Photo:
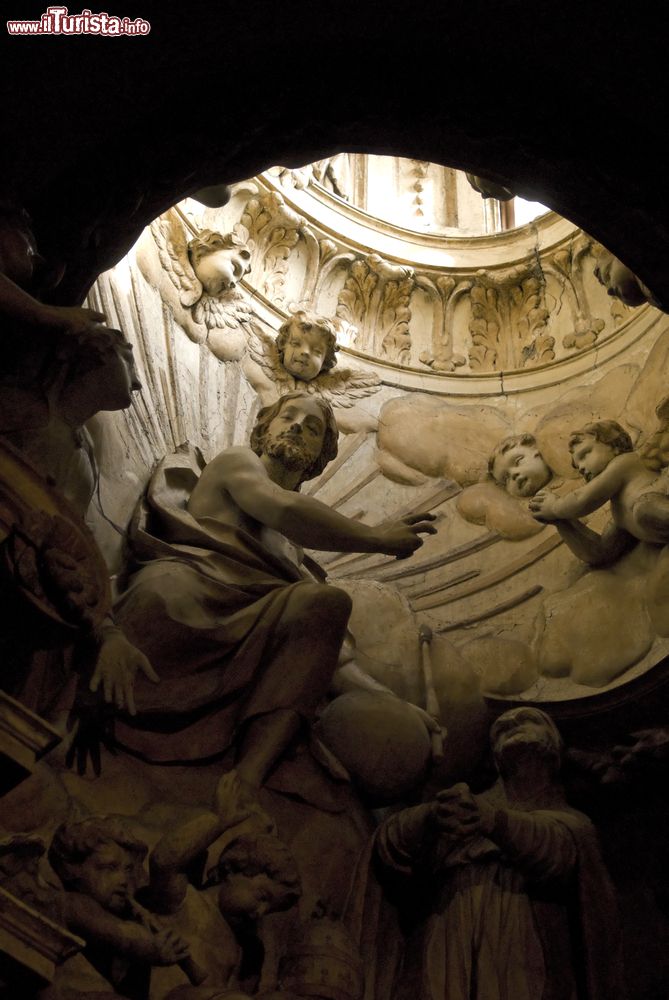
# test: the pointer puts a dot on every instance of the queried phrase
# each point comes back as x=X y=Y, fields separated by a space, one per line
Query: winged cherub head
x=219 y=260
x=307 y=345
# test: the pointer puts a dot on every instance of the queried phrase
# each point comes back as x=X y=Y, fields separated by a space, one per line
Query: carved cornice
x=24 y=738
x=31 y=941
x=508 y=303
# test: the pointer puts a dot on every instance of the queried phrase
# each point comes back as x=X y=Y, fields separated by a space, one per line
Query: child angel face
x=522 y=470
x=108 y=876
x=304 y=351
x=591 y=456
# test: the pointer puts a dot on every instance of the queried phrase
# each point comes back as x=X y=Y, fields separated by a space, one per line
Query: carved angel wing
x=654 y=452
x=343 y=387
x=172 y=247
x=231 y=311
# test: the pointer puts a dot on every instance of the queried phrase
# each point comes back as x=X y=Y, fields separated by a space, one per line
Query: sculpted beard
x=290 y=450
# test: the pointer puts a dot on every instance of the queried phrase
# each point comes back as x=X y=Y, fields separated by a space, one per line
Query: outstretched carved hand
x=543 y=506
x=91 y=720
x=649 y=745
x=644 y=758
x=90 y=726
x=116 y=668
x=402 y=538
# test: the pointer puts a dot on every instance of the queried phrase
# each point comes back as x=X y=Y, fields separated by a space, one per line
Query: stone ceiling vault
x=561 y=101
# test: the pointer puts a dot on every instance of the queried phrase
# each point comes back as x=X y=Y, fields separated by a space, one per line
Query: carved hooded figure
x=502 y=896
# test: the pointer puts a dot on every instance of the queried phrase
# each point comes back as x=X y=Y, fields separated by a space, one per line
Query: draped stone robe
x=526 y=915
x=205 y=606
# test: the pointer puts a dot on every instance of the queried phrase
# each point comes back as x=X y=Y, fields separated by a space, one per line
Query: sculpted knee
x=340 y=602
x=312 y=600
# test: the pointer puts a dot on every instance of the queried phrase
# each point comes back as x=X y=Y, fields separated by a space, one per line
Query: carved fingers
x=403 y=536
x=76 y=321
x=90 y=726
x=542 y=506
x=170 y=948
x=421 y=522
x=116 y=668
x=650 y=746
x=458 y=813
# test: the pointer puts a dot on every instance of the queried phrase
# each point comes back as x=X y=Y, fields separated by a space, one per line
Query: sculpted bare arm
x=603 y=487
x=597 y=550
x=126 y=937
x=548 y=507
x=19 y=306
x=303 y=520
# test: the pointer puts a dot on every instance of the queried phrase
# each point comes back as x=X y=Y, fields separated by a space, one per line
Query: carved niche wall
x=464 y=364
x=448 y=347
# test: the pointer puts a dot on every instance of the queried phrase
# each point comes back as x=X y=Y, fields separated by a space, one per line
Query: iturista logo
x=59 y=21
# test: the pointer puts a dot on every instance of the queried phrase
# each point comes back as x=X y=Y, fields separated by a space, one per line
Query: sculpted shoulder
x=236 y=459
x=234 y=467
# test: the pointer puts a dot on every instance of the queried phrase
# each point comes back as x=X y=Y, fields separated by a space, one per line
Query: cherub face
x=521 y=470
x=304 y=351
x=250 y=896
x=220 y=271
x=591 y=456
x=295 y=436
x=107 y=875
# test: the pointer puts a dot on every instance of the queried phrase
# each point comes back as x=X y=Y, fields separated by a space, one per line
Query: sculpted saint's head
x=517 y=464
x=525 y=731
x=99 y=858
x=300 y=431
x=219 y=260
x=307 y=345
x=105 y=368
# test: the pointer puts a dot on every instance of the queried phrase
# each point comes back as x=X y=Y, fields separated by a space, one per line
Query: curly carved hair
x=209 y=241
x=73 y=844
x=261 y=854
x=311 y=321
x=607 y=432
x=330 y=439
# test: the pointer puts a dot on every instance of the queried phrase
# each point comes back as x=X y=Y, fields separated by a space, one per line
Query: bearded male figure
x=244 y=642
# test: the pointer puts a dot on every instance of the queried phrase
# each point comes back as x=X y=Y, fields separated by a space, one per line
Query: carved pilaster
x=568 y=264
x=508 y=322
x=272 y=230
x=375 y=299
